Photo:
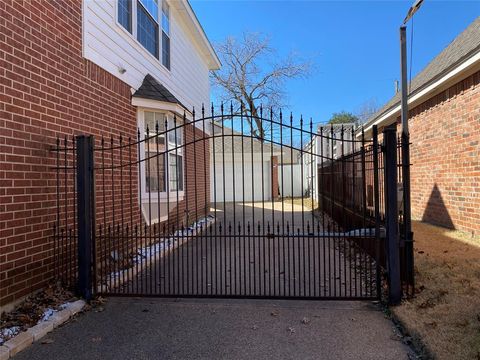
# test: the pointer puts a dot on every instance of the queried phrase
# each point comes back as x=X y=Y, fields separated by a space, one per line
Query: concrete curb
x=35 y=333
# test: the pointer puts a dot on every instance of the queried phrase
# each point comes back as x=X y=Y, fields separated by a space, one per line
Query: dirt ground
x=445 y=312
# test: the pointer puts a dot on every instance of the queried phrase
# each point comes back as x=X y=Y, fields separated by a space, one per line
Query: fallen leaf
x=305 y=321
x=46 y=341
x=291 y=330
x=254 y=327
x=275 y=313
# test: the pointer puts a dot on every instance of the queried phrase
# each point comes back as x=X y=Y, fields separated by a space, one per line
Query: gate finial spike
x=212 y=110
x=231 y=109
x=193 y=113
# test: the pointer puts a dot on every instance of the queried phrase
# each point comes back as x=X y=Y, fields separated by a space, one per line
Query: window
x=125 y=14
x=176 y=172
x=154 y=149
x=154 y=170
x=147 y=25
x=149 y=22
x=165 y=35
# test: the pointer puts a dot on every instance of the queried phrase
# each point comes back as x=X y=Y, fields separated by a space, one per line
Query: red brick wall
x=445 y=157
x=46 y=90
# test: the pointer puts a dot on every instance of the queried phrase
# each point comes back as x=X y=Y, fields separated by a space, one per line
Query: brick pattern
x=47 y=90
x=445 y=153
x=445 y=157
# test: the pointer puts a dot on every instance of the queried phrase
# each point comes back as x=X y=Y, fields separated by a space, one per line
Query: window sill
x=154 y=197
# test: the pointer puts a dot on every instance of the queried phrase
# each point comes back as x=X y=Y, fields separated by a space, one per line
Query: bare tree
x=367 y=110
x=252 y=75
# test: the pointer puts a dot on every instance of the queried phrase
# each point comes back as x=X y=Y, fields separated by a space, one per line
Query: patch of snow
x=47 y=314
x=165 y=244
x=8 y=333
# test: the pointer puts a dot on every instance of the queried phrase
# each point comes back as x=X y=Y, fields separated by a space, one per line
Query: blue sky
x=353 y=44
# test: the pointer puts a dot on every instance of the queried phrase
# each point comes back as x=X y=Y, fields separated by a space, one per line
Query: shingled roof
x=153 y=90
x=459 y=50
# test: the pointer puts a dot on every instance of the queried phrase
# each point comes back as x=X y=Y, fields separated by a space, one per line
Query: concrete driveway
x=276 y=263
x=132 y=328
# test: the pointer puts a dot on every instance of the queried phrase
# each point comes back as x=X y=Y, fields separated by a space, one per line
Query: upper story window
x=149 y=22
x=165 y=35
x=125 y=14
x=147 y=25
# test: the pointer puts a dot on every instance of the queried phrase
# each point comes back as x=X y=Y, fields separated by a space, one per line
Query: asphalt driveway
x=133 y=328
x=260 y=260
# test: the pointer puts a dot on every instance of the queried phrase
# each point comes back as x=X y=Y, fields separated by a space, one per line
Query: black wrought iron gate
x=225 y=205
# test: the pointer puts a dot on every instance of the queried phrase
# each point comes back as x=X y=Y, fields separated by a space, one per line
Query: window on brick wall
x=149 y=23
x=156 y=176
x=161 y=163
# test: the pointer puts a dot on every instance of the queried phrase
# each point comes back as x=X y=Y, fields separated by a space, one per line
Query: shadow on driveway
x=132 y=328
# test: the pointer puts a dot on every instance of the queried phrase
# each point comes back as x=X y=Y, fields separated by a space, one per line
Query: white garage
x=241 y=172
x=240 y=181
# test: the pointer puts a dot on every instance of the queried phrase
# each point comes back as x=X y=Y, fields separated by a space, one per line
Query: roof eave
x=185 y=9
x=459 y=71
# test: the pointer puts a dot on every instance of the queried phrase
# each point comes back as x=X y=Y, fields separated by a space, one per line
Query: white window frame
x=132 y=36
x=167 y=33
x=168 y=195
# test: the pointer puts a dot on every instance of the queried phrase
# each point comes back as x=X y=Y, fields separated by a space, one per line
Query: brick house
x=444 y=125
x=95 y=67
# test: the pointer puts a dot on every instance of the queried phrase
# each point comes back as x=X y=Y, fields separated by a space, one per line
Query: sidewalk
x=132 y=328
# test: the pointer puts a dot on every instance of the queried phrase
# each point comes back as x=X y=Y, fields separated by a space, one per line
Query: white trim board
x=457 y=74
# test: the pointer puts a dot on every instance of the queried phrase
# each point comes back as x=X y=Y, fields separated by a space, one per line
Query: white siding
x=240 y=174
x=290 y=181
x=110 y=46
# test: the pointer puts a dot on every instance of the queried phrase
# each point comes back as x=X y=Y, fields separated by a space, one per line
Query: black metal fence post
x=391 y=216
x=376 y=197
x=85 y=214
